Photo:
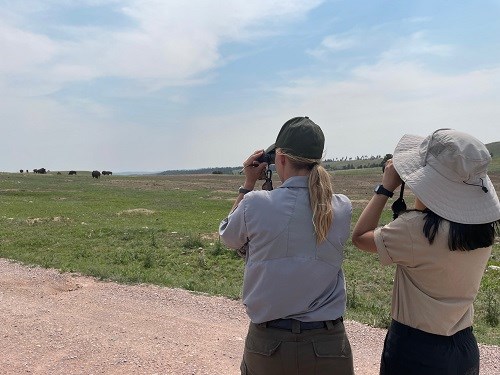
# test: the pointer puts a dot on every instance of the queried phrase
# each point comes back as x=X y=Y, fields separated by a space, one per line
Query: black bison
x=96 y=174
x=21 y=171
x=107 y=173
x=72 y=173
x=40 y=171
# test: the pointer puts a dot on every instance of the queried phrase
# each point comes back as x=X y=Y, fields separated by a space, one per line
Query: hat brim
x=271 y=148
x=454 y=201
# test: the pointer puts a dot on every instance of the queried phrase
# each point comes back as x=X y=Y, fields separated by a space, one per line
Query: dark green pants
x=312 y=352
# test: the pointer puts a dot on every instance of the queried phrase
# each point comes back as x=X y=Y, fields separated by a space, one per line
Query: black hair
x=463 y=237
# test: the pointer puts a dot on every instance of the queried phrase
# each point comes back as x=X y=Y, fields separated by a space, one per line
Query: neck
x=288 y=172
x=419 y=205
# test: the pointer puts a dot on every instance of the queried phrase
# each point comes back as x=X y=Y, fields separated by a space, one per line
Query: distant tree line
x=357 y=158
x=335 y=164
x=217 y=170
x=333 y=167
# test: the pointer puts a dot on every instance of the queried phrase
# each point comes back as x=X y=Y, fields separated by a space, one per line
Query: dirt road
x=54 y=323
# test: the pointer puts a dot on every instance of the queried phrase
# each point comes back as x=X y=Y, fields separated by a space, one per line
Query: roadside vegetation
x=163 y=230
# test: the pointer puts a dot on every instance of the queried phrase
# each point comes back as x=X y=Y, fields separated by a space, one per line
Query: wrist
x=248 y=185
x=382 y=190
x=243 y=190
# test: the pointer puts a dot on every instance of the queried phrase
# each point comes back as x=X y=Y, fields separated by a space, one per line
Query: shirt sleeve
x=232 y=229
x=394 y=243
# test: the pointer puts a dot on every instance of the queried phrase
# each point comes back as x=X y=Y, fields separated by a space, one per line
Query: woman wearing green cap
x=293 y=241
x=440 y=249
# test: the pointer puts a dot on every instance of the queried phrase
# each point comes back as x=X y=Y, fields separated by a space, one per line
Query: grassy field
x=163 y=230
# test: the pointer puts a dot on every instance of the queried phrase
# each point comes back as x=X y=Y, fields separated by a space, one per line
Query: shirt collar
x=296 y=182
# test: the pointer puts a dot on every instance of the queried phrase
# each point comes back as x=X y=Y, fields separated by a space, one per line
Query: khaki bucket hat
x=447 y=171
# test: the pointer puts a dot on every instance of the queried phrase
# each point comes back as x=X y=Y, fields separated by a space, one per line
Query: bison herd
x=95 y=174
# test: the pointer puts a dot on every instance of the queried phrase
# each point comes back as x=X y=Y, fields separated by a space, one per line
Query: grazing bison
x=72 y=173
x=40 y=171
x=21 y=171
x=96 y=174
x=107 y=173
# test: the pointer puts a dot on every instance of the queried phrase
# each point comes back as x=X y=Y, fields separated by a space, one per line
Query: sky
x=155 y=85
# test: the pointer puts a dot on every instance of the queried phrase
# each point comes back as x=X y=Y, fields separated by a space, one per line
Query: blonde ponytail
x=320 y=194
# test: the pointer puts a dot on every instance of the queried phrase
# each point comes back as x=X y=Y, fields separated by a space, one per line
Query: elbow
x=355 y=240
x=364 y=241
x=356 y=237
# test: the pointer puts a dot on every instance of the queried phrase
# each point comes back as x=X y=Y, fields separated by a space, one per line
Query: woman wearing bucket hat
x=440 y=249
x=293 y=239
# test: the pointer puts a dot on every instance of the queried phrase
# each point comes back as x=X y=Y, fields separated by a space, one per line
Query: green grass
x=163 y=230
x=494 y=149
x=130 y=230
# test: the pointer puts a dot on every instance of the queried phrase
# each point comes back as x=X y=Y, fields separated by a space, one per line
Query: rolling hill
x=332 y=165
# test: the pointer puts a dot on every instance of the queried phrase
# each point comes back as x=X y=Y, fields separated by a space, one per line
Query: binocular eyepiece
x=267 y=157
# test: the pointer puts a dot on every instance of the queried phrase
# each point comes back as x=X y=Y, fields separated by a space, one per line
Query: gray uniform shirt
x=287 y=274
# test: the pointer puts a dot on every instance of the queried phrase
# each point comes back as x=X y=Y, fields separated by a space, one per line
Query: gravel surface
x=53 y=323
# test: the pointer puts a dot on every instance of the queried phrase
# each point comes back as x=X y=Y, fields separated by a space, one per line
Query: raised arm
x=363 y=234
x=252 y=170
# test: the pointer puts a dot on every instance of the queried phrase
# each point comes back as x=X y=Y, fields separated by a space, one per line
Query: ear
x=281 y=159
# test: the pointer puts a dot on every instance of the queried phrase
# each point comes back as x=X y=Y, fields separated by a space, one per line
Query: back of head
x=302 y=141
x=447 y=171
x=301 y=137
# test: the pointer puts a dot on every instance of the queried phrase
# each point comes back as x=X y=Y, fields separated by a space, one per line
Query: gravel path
x=53 y=323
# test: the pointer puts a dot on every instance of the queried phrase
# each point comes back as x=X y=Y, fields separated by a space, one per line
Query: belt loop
x=329 y=324
x=295 y=326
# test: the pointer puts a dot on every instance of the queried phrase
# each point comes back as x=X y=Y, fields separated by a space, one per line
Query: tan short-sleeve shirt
x=434 y=288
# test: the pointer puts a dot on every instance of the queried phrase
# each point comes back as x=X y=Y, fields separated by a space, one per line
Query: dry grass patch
x=136 y=211
x=38 y=220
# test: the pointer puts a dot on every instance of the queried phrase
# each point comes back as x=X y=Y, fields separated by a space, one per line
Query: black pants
x=410 y=351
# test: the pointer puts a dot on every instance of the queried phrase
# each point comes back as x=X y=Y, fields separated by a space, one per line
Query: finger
x=251 y=161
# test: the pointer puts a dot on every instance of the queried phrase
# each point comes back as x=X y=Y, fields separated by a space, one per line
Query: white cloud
x=165 y=44
x=419 y=19
x=21 y=50
x=364 y=114
x=335 y=43
x=372 y=109
x=171 y=42
x=416 y=45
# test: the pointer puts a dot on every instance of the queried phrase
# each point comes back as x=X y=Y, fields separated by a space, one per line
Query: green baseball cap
x=301 y=137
